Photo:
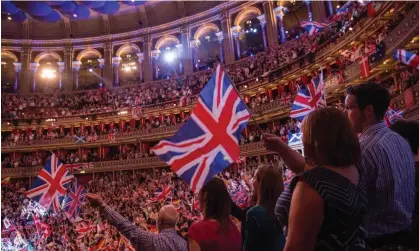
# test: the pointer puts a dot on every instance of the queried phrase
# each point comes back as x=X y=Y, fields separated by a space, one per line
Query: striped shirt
x=387 y=165
x=166 y=240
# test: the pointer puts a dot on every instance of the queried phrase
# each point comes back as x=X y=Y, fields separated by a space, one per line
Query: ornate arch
x=46 y=54
x=246 y=12
x=208 y=27
x=166 y=39
x=9 y=54
x=126 y=47
x=88 y=52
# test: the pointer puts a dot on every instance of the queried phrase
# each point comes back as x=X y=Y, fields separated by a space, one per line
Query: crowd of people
x=179 y=90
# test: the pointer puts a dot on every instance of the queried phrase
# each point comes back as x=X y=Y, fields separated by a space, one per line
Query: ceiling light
x=74 y=15
x=90 y=69
x=9 y=18
x=169 y=57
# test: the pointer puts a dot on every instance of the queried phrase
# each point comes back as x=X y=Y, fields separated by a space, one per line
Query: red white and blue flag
x=208 y=142
x=309 y=98
x=407 y=57
x=51 y=184
x=74 y=200
x=392 y=116
x=313 y=27
x=162 y=193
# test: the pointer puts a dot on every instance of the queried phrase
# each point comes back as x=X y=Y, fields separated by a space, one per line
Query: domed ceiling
x=51 y=19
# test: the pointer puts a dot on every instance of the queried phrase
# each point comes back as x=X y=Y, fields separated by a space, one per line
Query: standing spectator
x=263 y=231
x=410 y=131
x=216 y=232
x=166 y=240
x=386 y=164
x=323 y=207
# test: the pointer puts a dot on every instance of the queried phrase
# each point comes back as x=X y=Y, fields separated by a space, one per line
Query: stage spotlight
x=74 y=15
x=90 y=70
x=9 y=18
x=169 y=57
x=48 y=73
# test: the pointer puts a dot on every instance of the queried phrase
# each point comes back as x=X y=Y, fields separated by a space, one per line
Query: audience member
x=216 y=232
x=387 y=166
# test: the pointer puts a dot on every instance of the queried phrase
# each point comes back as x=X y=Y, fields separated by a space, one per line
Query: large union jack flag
x=74 y=201
x=407 y=57
x=208 y=142
x=312 y=27
x=51 y=184
x=309 y=98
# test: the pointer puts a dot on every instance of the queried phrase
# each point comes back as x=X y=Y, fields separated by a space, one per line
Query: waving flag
x=313 y=27
x=75 y=199
x=161 y=194
x=84 y=228
x=392 y=116
x=407 y=57
x=208 y=142
x=51 y=184
x=308 y=98
x=294 y=138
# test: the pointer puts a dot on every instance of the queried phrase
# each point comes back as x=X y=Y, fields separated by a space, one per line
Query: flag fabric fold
x=313 y=27
x=208 y=142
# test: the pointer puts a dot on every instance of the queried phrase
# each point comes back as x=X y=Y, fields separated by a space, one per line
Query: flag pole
x=235 y=88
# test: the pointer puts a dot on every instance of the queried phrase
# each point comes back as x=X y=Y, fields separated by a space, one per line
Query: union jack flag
x=240 y=197
x=407 y=57
x=208 y=142
x=161 y=194
x=392 y=116
x=313 y=27
x=51 y=184
x=84 y=228
x=308 y=98
x=74 y=201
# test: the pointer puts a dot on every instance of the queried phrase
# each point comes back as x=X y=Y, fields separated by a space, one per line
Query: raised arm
x=139 y=238
x=292 y=159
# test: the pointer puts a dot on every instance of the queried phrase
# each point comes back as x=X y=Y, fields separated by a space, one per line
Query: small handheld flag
x=407 y=58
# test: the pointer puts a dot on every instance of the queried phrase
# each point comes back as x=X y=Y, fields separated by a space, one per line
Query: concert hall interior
x=209 y=125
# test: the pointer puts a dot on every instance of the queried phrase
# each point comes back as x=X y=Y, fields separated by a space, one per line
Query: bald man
x=166 y=240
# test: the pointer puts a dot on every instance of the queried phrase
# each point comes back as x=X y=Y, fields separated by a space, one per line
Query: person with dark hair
x=410 y=131
x=216 y=232
x=386 y=164
x=324 y=205
x=263 y=231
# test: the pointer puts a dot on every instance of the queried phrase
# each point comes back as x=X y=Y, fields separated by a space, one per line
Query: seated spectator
x=263 y=231
x=216 y=232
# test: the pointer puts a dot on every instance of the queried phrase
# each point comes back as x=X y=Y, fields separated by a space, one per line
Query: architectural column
x=179 y=51
x=310 y=15
x=24 y=78
x=68 y=71
x=34 y=69
x=330 y=8
x=76 y=70
x=140 y=68
x=194 y=48
x=319 y=11
x=236 y=34
x=220 y=42
x=18 y=66
x=262 y=22
x=227 y=39
x=108 y=70
x=271 y=28
x=280 y=13
x=60 y=74
x=115 y=65
x=148 y=60
x=155 y=55
x=101 y=65
x=186 y=55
